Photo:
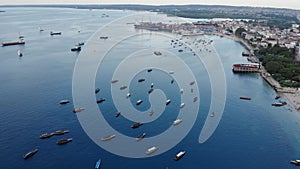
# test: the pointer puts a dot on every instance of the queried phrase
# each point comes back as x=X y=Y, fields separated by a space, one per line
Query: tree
x=273 y=66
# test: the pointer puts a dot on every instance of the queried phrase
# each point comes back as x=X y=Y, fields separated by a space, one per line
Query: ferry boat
x=55 y=33
x=295 y=162
x=97 y=90
x=168 y=102
x=64 y=141
x=109 y=137
x=30 y=154
x=64 y=102
x=76 y=49
x=245 y=98
x=13 y=43
x=100 y=100
x=136 y=125
x=151 y=150
x=139 y=102
x=176 y=122
x=179 y=155
x=278 y=104
x=46 y=135
x=98 y=164
x=246 y=67
x=140 y=137
x=60 y=132
x=77 y=110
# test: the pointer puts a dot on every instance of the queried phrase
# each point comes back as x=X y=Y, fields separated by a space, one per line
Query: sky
x=292 y=4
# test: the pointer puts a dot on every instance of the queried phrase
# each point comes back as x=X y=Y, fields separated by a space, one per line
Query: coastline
x=292 y=95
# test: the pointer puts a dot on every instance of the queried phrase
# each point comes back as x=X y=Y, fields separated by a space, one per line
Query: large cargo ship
x=13 y=43
x=246 y=67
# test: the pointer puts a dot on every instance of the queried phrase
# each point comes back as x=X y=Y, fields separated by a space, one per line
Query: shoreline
x=292 y=95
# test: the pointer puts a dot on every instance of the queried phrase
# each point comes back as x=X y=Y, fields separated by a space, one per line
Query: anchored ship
x=246 y=67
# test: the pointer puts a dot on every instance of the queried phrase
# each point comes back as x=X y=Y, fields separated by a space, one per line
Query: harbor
x=260 y=127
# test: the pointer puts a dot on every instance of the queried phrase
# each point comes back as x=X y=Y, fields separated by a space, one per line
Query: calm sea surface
x=251 y=135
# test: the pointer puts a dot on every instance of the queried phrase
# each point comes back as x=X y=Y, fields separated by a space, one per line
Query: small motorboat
x=98 y=164
x=139 y=102
x=117 y=114
x=46 y=135
x=100 y=100
x=109 y=137
x=77 y=110
x=136 y=125
x=64 y=102
x=140 y=137
x=295 y=162
x=179 y=155
x=30 y=154
x=97 y=90
x=151 y=150
x=176 y=122
x=64 y=141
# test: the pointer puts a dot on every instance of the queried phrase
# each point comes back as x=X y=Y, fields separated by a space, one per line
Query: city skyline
x=292 y=4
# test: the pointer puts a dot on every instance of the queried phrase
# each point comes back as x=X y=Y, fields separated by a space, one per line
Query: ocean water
x=252 y=134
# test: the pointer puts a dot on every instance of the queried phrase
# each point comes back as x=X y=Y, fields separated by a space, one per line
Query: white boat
x=176 y=122
x=64 y=102
x=150 y=113
x=139 y=102
x=179 y=155
x=212 y=114
x=128 y=95
x=182 y=105
x=181 y=91
x=77 y=110
x=20 y=53
x=140 y=137
x=151 y=150
x=168 y=101
x=157 y=53
x=171 y=72
x=109 y=137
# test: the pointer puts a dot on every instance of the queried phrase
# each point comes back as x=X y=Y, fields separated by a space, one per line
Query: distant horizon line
x=127 y=4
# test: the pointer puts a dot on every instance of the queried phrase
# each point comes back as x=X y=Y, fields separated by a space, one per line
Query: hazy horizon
x=292 y=4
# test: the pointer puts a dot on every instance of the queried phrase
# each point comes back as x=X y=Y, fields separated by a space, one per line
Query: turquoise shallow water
x=251 y=134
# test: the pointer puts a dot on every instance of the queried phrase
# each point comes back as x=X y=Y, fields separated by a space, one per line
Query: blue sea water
x=251 y=135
